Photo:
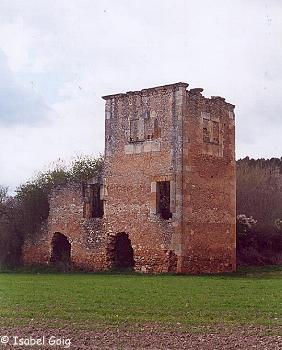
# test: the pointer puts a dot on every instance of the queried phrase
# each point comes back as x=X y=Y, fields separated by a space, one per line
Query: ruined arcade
x=166 y=200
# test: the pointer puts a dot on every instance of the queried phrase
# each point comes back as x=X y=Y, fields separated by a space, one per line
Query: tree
x=259 y=195
x=33 y=196
x=22 y=215
x=245 y=224
x=3 y=194
x=259 y=190
x=11 y=235
x=278 y=225
x=84 y=167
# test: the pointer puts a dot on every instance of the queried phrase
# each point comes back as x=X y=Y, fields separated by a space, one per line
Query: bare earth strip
x=148 y=337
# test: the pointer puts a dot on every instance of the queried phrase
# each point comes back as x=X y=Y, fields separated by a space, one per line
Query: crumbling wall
x=68 y=206
x=143 y=134
x=169 y=186
x=209 y=235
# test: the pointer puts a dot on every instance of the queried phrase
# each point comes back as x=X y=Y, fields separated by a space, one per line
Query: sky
x=58 y=57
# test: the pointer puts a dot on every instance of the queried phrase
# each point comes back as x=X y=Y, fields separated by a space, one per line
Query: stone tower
x=170 y=178
x=166 y=200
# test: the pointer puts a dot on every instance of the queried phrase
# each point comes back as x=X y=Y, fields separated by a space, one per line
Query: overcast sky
x=58 y=57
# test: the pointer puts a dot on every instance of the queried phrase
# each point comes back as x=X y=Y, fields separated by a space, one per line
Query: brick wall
x=209 y=234
x=160 y=140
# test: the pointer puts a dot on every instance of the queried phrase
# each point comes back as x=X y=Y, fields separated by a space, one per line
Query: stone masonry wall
x=134 y=166
x=87 y=238
x=209 y=235
x=169 y=134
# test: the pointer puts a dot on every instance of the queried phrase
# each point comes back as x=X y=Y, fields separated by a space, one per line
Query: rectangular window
x=163 y=199
x=206 y=130
x=93 y=205
x=134 y=130
x=97 y=203
x=137 y=129
x=215 y=132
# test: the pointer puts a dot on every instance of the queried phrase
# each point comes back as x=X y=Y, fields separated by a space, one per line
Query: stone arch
x=60 y=249
x=120 y=252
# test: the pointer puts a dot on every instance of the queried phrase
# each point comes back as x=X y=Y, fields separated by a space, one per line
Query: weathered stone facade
x=168 y=189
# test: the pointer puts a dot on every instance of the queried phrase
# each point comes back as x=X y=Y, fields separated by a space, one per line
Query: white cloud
x=18 y=104
x=72 y=52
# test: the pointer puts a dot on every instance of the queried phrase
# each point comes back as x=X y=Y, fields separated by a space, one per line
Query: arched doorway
x=61 y=249
x=121 y=252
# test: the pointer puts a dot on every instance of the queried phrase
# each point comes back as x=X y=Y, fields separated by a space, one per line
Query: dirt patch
x=146 y=337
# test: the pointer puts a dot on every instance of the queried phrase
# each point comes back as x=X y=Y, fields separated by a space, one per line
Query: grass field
x=247 y=298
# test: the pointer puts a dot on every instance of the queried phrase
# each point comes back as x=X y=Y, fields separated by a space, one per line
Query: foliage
x=23 y=215
x=84 y=168
x=259 y=196
x=3 y=194
x=278 y=225
x=259 y=248
x=245 y=224
x=11 y=236
x=33 y=195
x=259 y=190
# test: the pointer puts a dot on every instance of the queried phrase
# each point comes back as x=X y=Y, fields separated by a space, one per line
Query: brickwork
x=168 y=185
x=209 y=233
x=67 y=216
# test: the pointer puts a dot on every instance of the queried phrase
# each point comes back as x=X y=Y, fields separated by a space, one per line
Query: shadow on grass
x=62 y=269
x=242 y=271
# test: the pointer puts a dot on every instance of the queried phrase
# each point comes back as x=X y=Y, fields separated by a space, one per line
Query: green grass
x=249 y=297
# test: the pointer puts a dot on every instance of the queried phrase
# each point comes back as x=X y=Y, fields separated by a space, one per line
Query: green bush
x=256 y=248
x=22 y=215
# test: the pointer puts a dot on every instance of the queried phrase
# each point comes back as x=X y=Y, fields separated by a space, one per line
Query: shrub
x=278 y=225
x=245 y=224
x=22 y=216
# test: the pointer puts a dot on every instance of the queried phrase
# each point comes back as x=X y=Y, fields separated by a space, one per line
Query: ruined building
x=166 y=201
